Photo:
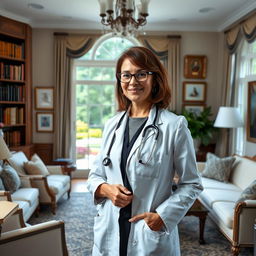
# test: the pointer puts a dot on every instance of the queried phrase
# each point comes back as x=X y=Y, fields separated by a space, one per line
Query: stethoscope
x=107 y=161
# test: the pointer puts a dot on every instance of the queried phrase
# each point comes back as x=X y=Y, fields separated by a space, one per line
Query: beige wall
x=210 y=44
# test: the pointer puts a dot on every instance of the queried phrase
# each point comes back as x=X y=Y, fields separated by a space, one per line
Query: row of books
x=13 y=50
x=12 y=138
x=12 y=72
x=10 y=92
x=12 y=116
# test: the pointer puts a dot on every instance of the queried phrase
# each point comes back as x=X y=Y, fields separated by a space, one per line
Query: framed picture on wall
x=195 y=66
x=44 y=98
x=194 y=92
x=251 y=112
x=196 y=109
x=44 y=122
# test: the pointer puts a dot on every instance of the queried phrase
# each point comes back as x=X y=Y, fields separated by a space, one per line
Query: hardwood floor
x=78 y=185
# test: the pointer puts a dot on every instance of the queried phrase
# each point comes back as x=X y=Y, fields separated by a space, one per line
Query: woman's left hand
x=153 y=220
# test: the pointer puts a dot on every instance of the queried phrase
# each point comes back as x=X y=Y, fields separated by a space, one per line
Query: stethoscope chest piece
x=106 y=161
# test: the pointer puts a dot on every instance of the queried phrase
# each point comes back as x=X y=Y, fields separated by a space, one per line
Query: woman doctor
x=143 y=147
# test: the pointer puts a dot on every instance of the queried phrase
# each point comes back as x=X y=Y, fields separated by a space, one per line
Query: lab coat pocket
x=100 y=232
x=148 y=170
x=152 y=232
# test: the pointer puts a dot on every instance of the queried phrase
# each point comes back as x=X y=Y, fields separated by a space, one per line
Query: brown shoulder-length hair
x=146 y=59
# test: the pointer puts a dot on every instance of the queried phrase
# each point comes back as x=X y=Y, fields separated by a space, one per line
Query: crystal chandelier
x=126 y=18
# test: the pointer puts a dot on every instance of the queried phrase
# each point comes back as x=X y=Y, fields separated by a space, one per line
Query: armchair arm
x=45 y=193
x=244 y=220
x=5 y=196
x=47 y=238
x=55 y=169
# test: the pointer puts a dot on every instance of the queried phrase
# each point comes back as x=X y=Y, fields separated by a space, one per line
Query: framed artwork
x=195 y=66
x=251 y=112
x=194 y=92
x=44 y=98
x=196 y=109
x=44 y=122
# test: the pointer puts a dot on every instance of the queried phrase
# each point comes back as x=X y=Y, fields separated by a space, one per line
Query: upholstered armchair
x=47 y=238
x=52 y=183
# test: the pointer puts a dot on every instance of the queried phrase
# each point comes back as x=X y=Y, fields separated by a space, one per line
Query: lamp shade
x=4 y=151
x=228 y=117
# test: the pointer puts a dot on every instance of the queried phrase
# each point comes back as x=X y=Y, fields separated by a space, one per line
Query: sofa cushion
x=249 y=193
x=225 y=212
x=55 y=186
x=17 y=162
x=218 y=168
x=64 y=179
x=10 y=178
x=29 y=195
x=35 y=167
x=211 y=183
x=210 y=196
x=243 y=173
x=23 y=205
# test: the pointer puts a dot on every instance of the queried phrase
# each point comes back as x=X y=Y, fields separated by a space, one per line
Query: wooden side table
x=201 y=212
x=67 y=164
x=6 y=210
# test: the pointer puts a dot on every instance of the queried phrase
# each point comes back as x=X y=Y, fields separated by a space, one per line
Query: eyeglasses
x=140 y=76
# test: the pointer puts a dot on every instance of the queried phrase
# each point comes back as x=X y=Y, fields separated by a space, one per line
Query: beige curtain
x=66 y=48
x=246 y=29
x=168 y=50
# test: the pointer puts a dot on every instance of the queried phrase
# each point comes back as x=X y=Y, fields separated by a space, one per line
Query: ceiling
x=164 y=15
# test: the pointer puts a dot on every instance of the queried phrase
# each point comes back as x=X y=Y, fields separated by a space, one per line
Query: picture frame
x=251 y=113
x=194 y=92
x=196 y=109
x=195 y=66
x=44 y=122
x=44 y=98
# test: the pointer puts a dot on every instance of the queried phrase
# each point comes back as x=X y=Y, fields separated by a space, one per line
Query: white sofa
x=235 y=220
x=26 y=196
x=51 y=187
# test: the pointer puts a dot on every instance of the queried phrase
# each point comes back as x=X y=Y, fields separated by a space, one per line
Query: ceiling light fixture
x=122 y=18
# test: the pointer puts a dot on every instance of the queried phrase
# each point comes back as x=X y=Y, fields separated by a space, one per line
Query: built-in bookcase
x=15 y=83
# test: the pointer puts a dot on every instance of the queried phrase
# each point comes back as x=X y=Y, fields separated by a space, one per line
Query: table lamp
x=4 y=151
x=228 y=117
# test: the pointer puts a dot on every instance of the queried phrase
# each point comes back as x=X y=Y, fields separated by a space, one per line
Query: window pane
x=95 y=95
x=95 y=116
x=108 y=94
x=81 y=94
x=95 y=73
x=253 y=66
x=112 y=48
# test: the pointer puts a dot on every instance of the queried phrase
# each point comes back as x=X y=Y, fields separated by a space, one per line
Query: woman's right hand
x=117 y=193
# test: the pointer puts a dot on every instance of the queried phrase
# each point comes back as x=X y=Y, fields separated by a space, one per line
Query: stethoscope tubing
x=107 y=161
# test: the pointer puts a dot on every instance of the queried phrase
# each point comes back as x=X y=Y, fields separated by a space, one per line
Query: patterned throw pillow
x=249 y=193
x=10 y=178
x=218 y=168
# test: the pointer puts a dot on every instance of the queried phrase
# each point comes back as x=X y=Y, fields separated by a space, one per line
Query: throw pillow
x=35 y=168
x=218 y=168
x=10 y=178
x=249 y=193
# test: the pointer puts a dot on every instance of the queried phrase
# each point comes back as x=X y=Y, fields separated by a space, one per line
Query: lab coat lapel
x=117 y=148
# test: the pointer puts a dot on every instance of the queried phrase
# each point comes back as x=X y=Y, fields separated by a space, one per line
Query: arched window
x=94 y=95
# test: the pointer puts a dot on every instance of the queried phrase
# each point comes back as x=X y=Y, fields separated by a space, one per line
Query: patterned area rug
x=78 y=213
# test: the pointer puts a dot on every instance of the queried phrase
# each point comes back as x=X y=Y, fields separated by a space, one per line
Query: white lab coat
x=151 y=185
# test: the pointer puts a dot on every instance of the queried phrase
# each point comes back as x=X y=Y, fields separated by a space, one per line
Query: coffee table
x=201 y=212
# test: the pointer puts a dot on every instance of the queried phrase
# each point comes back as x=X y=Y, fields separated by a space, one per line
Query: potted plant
x=200 y=126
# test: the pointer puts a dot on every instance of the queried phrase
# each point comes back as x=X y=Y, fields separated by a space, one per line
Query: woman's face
x=138 y=93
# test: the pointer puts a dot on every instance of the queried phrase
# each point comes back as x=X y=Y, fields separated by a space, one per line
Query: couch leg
x=235 y=250
x=69 y=193
x=53 y=208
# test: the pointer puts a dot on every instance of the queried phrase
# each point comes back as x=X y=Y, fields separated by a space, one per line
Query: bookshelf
x=15 y=84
